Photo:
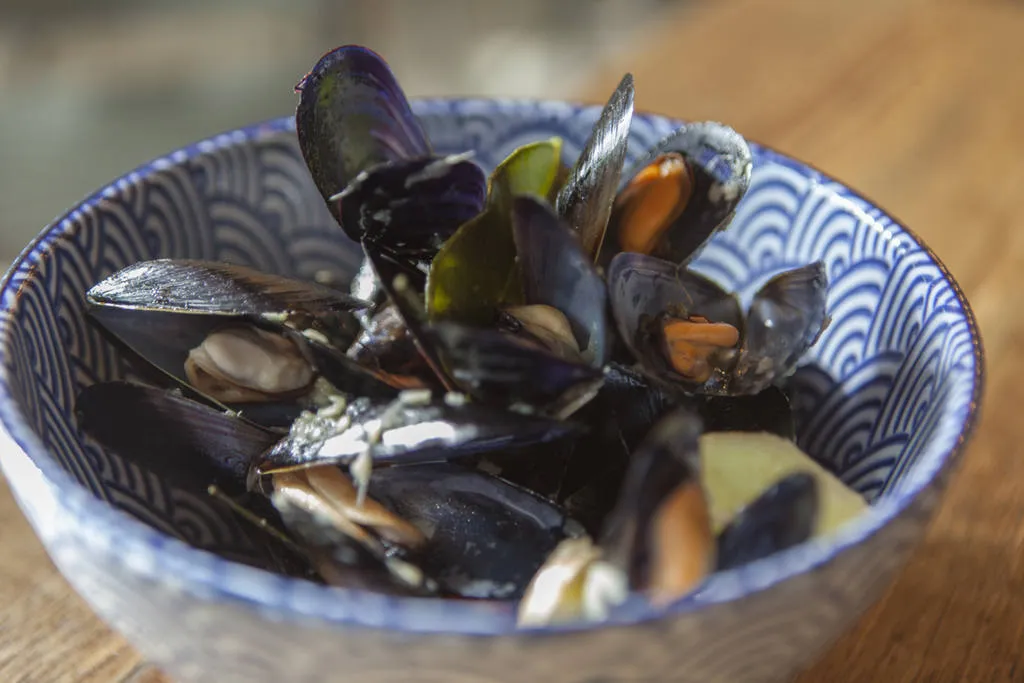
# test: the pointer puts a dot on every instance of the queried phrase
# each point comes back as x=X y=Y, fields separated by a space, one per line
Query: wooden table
x=918 y=103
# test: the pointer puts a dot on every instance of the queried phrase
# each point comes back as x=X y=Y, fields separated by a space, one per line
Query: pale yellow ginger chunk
x=739 y=466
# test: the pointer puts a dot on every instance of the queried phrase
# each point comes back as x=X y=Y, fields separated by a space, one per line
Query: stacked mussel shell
x=523 y=395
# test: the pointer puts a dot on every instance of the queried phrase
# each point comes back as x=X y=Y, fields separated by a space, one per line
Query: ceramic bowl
x=887 y=399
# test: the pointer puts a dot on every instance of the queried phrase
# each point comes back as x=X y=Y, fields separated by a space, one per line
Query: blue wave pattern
x=875 y=375
x=882 y=400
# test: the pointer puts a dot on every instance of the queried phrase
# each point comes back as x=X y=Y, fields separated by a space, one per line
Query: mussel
x=201 y=449
x=237 y=337
x=680 y=193
x=486 y=537
x=657 y=540
x=478 y=535
x=416 y=427
x=679 y=518
x=547 y=343
x=463 y=419
x=683 y=327
x=372 y=162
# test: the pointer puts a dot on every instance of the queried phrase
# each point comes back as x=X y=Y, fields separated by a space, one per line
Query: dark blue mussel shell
x=371 y=161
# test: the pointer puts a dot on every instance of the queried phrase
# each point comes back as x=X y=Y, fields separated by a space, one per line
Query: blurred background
x=90 y=89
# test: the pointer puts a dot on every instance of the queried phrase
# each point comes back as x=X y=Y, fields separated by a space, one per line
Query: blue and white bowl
x=887 y=398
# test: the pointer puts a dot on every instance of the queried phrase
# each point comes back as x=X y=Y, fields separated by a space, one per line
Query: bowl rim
x=207 y=576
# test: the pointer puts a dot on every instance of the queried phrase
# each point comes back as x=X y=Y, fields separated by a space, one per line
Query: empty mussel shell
x=410 y=207
x=212 y=287
x=785 y=319
x=352 y=116
x=185 y=442
x=585 y=200
x=197 y=449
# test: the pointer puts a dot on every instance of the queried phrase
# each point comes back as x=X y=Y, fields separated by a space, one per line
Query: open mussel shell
x=585 y=200
x=785 y=319
x=185 y=442
x=659 y=533
x=557 y=272
x=410 y=207
x=486 y=537
x=409 y=431
x=643 y=289
x=783 y=516
x=499 y=369
x=194 y=447
x=680 y=193
x=164 y=309
x=352 y=116
x=163 y=341
x=658 y=540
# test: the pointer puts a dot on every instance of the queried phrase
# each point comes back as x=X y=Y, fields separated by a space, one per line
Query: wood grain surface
x=920 y=105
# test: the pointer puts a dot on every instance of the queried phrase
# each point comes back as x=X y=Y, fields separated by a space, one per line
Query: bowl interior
x=881 y=400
